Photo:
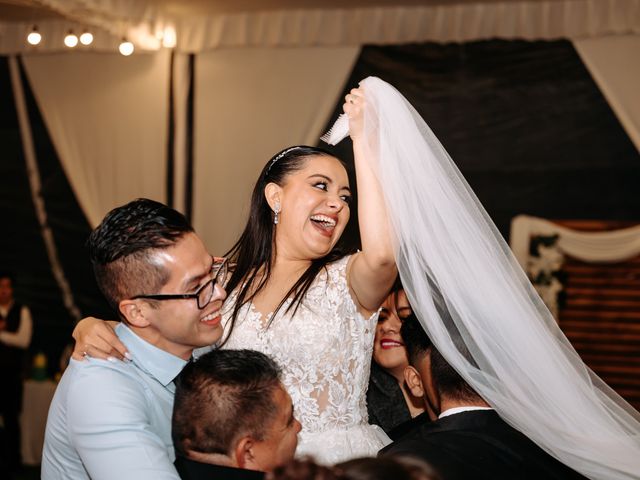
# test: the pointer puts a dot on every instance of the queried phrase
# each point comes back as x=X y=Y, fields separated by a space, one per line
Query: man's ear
x=134 y=312
x=413 y=381
x=244 y=455
x=272 y=192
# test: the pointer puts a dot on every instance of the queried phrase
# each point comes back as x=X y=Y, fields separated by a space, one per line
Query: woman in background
x=389 y=402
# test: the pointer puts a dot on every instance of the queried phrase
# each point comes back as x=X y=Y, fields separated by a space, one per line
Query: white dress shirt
x=454 y=410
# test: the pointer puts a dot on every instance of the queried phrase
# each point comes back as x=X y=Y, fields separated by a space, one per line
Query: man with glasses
x=112 y=419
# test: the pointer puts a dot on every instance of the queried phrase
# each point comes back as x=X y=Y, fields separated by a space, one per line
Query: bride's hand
x=354 y=103
x=96 y=338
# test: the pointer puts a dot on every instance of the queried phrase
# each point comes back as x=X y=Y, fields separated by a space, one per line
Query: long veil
x=465 y=284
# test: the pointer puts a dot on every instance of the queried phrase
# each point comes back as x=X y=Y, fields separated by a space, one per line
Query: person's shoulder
x=407 y=427
x=340 y=264
x=422 y=432
x=100 y=392
x=333 y=273
x=413 y=444
x=92 y=376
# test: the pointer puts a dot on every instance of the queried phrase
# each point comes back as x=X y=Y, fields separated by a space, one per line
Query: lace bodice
x=324 y=351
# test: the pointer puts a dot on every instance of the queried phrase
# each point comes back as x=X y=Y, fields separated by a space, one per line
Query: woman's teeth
x=324 y=220
x=390 y=344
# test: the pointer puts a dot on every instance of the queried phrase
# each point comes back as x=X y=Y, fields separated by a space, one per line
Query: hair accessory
x=276 y=210
x=278 y=157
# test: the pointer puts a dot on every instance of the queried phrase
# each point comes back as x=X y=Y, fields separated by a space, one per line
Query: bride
x=293 y=296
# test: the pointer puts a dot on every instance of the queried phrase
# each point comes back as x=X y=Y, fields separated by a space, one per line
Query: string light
x=86 y=38
x=126 y=47
x=169 y=39
x=34 y=36
x=71 y=40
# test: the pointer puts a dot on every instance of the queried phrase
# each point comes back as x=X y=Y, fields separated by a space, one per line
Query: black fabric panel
x=22 y=249
x=524 y=122
x=188 y=201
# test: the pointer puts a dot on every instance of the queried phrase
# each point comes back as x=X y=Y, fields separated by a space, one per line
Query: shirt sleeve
x=21 y=338
x=110 y=426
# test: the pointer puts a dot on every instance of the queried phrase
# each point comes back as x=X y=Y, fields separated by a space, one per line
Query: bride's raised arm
x=371 y=271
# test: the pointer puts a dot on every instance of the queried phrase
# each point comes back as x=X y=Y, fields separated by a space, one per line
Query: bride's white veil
x=464 y=284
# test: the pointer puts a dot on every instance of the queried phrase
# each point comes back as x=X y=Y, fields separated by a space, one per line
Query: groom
x=113 y=419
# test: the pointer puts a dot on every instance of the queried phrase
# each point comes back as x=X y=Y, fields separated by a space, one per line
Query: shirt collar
x=453 y=411
x=161 y=365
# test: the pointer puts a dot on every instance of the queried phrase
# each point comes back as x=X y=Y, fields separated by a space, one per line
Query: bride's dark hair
x=255 y=250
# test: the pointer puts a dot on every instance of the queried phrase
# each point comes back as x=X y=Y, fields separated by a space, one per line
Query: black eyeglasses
x=203 y=296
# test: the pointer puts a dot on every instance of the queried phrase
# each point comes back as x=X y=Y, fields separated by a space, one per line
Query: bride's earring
x=276 y=210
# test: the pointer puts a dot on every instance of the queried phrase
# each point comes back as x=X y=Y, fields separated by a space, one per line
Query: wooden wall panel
x=601 y=315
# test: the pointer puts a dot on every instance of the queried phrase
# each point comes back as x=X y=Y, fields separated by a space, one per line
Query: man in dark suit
x=467 y=439
x=232 y=417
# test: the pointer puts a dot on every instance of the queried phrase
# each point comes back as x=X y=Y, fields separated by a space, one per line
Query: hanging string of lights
x=71 y=40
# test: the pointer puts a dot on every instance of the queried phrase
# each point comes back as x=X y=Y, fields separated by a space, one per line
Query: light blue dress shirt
x=112 y=420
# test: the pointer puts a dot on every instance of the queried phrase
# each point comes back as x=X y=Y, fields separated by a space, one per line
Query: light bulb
x=126 y=47
x=34 y=36
x=71 y=40
x=169 y=37
x=86 y=38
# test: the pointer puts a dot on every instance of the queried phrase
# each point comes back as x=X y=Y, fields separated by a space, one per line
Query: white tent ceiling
x=34 y=10
x=201 y=25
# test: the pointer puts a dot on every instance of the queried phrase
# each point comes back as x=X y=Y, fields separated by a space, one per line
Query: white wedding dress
x=324 y=351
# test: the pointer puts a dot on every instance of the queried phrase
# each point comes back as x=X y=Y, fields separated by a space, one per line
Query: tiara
x=278 y=157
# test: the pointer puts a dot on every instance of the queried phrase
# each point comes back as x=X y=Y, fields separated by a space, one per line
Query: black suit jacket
x=192 y=470
x=479 y=445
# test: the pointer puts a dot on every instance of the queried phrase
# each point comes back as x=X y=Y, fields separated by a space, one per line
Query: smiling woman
x=389 y=402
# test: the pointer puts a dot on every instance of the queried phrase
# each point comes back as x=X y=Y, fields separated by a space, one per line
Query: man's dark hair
x=221 y=396
x=122 y=248
x=415 y=339
x=447 y=381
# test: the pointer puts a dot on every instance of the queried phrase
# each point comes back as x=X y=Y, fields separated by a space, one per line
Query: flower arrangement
x=544 y=269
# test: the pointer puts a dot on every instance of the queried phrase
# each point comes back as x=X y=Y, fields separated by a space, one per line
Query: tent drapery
x=107 y=117
x=531 y=20
x=198 y=31
x=610 y=246
x=614 y=63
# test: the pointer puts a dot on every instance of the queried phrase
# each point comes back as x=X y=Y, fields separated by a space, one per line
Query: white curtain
x=107 y=117
x=614 y=63
x=250 y=103
x=609 y=246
